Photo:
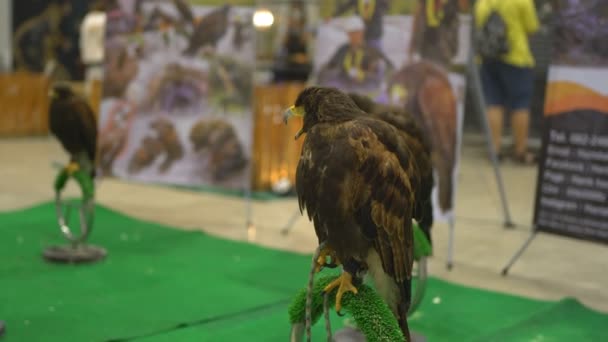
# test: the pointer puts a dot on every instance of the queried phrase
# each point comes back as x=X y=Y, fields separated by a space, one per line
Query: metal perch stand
x=77 y=251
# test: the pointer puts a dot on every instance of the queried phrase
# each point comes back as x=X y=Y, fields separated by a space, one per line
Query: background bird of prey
x=184 y=10
x=219 y=140
x=209 y=30
x=358 y=178
x=428 y=96
x=72 y=121
x=164 y=141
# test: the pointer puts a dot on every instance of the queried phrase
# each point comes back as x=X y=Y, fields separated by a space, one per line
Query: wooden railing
x=23 y=104
x=275 y=152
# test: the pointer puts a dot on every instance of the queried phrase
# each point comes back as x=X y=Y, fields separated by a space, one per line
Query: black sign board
x=572 y=190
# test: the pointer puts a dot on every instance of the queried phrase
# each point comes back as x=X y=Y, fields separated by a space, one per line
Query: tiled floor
x=552 y=268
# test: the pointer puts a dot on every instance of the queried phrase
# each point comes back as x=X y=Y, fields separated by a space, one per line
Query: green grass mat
x=161 y=284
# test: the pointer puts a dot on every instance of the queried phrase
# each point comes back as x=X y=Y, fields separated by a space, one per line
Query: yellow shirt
x=521 y=20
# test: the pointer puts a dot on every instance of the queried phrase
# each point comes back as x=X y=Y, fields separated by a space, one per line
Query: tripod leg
x=291 y=223
x=249 y=225
x=450 y=262
x=481 y=106
x=521 y=251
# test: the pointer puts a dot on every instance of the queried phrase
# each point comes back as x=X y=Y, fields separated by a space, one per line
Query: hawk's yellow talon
x=322 y=259
x=72 y=167
x=345 y=284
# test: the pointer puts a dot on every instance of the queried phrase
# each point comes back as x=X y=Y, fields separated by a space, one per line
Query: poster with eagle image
x=177 y=93
x=408 y=54
x=45 y=37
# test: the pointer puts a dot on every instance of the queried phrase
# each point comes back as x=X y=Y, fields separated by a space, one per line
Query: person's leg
x=493 y=94
x=495 y=119
x=520 y=123
x=520 y=84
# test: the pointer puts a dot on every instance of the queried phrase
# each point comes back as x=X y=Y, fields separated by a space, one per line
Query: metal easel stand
x=249 y=225
x=291 y=222
x=520 y=251
x=481 y=106
x=473 y=73
x=450 y=260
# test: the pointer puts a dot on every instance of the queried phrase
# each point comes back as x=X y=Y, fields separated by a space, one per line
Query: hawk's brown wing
x=388 y=170
x=87 y=126
x=360 y=169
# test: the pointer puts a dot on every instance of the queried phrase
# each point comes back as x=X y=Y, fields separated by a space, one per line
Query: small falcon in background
x=73 y=122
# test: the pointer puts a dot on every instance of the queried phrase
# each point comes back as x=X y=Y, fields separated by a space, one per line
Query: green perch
x=84 y=180
x=371 y=314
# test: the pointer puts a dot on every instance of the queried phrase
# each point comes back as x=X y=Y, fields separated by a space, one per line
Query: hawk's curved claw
x=345 y=284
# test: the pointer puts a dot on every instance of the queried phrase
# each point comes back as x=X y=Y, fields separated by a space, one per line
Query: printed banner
x=410 y=54
x=45 y=36
x=572 y=191
x=177 y=93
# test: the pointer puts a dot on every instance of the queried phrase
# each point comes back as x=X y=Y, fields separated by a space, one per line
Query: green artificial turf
x=162 y=284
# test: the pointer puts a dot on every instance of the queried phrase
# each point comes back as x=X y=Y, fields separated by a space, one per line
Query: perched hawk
x=72 y=121
x=358 y=178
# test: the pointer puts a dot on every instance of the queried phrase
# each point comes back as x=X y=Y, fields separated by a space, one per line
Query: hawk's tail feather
x=403 y=307
x=426 y=220
x=397 y=297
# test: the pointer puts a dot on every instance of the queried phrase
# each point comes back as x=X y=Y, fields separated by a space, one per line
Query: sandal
x=526 y=158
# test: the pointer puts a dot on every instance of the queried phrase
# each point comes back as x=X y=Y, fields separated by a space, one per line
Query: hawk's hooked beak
x=294 y=111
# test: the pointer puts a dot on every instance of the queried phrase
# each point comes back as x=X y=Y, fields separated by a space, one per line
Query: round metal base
x=417 y=337
x=74 y=254
x=347 y=334
x=350 y=334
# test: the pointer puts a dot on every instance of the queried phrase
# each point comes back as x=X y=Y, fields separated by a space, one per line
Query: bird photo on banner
x=178 y=84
